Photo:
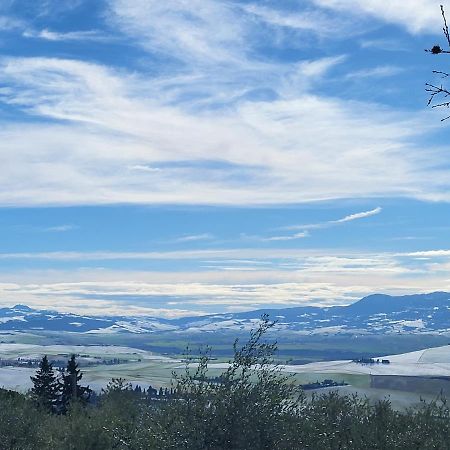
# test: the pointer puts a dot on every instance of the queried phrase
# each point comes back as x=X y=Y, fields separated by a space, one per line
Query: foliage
x=70 y=388
x=252 y=405
x=243 y=407
x=45 y=389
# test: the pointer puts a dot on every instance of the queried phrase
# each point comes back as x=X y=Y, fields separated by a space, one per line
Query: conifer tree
x=70 y=387
x=45 y=385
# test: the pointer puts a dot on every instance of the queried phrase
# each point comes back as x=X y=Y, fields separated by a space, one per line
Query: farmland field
x=100 y=363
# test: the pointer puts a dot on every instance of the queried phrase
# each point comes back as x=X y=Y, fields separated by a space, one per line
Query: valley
x=416 y=360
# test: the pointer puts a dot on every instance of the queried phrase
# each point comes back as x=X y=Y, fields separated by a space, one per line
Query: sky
x=182 y=158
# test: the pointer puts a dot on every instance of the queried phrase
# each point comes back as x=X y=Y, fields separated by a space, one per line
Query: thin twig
x=439 y=72
x=440 y=92
x=445 y=28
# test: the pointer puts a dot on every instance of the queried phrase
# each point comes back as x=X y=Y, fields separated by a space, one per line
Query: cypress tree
x=70 y=387
x=45 y=385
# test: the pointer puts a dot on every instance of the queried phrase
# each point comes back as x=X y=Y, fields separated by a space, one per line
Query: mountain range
x=374 y=314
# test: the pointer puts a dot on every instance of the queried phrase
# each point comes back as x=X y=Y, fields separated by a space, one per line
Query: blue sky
x=187 y=157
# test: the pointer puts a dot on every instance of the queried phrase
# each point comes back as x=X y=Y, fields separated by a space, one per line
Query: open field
x=90 y=351
x=429 y=362
x=138 y=366
x=145 y=368
x=296 y=349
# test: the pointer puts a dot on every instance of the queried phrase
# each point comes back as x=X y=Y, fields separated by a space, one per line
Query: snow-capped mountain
x=375 y=314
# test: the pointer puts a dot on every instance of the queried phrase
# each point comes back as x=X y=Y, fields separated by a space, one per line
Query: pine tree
x=45 y=385
x=70 y=387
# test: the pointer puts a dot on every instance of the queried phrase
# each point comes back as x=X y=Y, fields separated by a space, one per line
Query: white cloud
x=329 y=260
x=49 y=35
x=195 y=237
x=144 y=168
x=10 y=23
x=311 y=21
x=60 y=228
x=180 y=298
x=109 y=136
x=375 y=72
x=294 y=277
x=416 y=16
x=50 y=8
x=330 y=223
x=306 y=74
x=319 y=67
x=208 y=32
x=431 y=253
x=360 y=215
x=300 y=235
x=163 y=255
x=389 y=45
x=114 y=121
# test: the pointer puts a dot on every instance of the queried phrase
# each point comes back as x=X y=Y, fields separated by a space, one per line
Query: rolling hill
x=374 y=314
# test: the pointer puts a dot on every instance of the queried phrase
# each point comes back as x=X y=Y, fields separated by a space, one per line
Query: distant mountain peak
x=23 y=308
x=376 y=314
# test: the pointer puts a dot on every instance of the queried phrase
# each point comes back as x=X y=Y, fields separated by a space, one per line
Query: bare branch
x=444 y=74
x=439 y=92
x=445 y=28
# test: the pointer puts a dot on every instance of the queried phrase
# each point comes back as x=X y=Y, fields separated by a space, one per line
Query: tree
x=70 y=387
x=118 y=385
x=45 y=385
x=438 y=92
x=245 y=409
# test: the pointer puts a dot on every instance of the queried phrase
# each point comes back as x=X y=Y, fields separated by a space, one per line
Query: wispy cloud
x=111 y=125
x=156 y=255
x=60 y=228
x=375 y=72
x=389 y=45
x=294 y=277
x=312 y=21
x=49 y=35
x=209 y=32
x=215 y=97
x=195 y=237
x=431 y=253
x=420 y=15
x=144 y=168
x=52 y=8
x=8 y=23
x=330 y=223
x=300 y=235
x=319 y=67
x=360 y=215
